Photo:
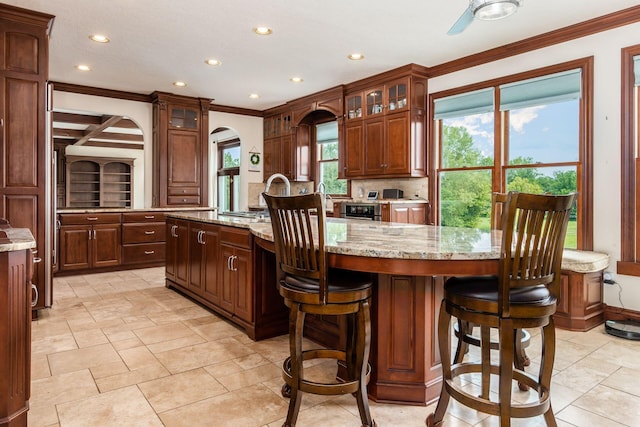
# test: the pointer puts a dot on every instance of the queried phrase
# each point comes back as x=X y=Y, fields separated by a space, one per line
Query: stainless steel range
x=361 y=210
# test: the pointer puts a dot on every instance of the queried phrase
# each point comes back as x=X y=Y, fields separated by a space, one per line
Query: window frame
x=584 y=178
x=232 y=172
x=316 y=160
x=629 y=263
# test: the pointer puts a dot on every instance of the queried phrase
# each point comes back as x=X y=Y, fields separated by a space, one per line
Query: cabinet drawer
x=235 y=237
x=182 y=200
x=143 y=217
x=87 y=219
x=183 y=191
x=143 y=233
x=143 y=253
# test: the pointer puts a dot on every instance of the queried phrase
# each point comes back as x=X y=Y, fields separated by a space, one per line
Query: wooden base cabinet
x=214 y=265
x=89 y=241
x=406 y=213
x=16 y=269
x=143 y=238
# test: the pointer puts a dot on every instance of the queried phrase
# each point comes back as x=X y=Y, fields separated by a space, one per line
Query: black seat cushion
x=339 y=281
x=486 y=288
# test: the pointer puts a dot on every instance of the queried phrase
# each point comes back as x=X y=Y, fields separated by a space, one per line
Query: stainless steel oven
x=367 y=211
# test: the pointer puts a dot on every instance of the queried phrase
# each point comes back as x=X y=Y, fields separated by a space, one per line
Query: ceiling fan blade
x=462 y=23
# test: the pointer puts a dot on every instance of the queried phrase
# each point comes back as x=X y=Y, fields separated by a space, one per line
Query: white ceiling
x=156 y=42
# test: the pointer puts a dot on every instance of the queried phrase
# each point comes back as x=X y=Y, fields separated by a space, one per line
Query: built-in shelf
x=102 y=182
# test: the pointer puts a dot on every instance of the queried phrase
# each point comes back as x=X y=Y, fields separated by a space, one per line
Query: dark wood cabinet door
x=287 y=153
x=374 y=162
x=182 y=253
x=106 y=245
x=196 y=249
x=354 y=150
x=23 y=86
x=397 y=159
x=227 y=278
x=171 y=250
x=74 y=247
x=243 y=298
x=183 y=159
x=418 y=214
x=212 y=288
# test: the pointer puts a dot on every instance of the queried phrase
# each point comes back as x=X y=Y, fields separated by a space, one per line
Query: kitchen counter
x=118 y=210
x=16 y=239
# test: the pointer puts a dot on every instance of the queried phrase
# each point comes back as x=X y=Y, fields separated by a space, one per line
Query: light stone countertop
x=17 y=240
x=131 y=210
x=404 y=241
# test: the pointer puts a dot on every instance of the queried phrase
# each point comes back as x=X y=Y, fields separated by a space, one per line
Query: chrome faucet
x=284 y=179
x=322 y=188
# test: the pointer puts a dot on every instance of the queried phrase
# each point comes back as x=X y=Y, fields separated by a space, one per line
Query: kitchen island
x=409 y=262
x=228 y=264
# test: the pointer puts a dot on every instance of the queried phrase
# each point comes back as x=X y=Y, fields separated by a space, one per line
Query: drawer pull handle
x=149 y=232
x=92 y=218
x=149 y=252
x=149 y=217
x=37 y=259
x=173 y=231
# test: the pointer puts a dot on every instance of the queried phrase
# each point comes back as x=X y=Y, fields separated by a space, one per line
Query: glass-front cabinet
x=354 y=106
x=374 y=101
x=397 y=95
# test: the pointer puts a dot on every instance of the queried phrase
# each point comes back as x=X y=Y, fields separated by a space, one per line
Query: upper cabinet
x=385 y=126
x=180 y=150
x=278 y=144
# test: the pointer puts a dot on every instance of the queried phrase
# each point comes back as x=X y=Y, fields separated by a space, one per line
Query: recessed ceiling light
x=213 y=62
x=83 y=67
x=254 y=96
x=99 y=38
x=296 y=79
x=356 y=56
x=179 y=84
x=262 y=31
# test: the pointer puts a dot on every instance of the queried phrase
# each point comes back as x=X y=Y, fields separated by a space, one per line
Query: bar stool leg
x=296 y=327
x=363 y=345
x=444 y=342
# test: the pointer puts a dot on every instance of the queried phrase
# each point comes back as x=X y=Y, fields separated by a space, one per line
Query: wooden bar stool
x=522 y=295
x=308 y=286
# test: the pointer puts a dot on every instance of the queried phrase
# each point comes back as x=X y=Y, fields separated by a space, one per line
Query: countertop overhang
x=16 y=239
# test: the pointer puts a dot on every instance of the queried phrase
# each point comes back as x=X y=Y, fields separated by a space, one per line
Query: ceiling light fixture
x=179 y=84
x=83 y=67
x=490 y=10
x=99 y=38
x=296 y=79
x=262 y=31
x=254 y=96
x=213 y=62
x=355 y=56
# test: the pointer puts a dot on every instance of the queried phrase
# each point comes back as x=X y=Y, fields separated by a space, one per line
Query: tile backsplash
x=411 y=187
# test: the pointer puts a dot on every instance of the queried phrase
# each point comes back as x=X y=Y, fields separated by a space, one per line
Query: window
x=630 y=245
x=516 y=134
x=327 y=158
x=229 y=175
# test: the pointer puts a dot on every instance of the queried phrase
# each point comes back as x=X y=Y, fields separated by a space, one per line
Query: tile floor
x=119 y=349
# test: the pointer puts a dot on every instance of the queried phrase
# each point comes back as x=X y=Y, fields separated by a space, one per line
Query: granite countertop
x=17 y=239
x=403 y=241
x=381 y=201
x=122 y=210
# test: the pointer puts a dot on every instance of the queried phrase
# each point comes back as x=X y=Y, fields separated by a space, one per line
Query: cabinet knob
x=184 y=200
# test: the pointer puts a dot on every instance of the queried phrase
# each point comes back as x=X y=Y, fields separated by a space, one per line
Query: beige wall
x=605 y=48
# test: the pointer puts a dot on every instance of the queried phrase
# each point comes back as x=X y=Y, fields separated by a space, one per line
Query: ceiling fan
x=486 y=10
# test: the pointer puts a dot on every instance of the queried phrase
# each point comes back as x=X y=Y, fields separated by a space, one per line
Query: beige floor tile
x=39 y=367
x=83 y=358
x=187 y=341
x=109 y=369
x=47 y=392
x=612 y=404
x=250 y=377
x=580 y=417
x=124 y=407
x=53 y=344
x=625 y=379
x=90 y=338
x=45 y=329
x=620 y=352
x=166 y=332
x=138 y=357
x=128 y=378
x=201 y=355
x=181 y=389
x=217 y=330
x=255 y=406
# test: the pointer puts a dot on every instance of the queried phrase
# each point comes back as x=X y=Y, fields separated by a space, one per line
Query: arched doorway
x=226 y=143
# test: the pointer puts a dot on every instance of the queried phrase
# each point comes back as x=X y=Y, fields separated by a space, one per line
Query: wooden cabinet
x=94 y=182
x=204 y=261
x=24 y=189
x=406 y=213
x=279 y=145
x=16 y=268
x=385 y=126
x=143 y=238
x=180 y=150
x=177 y=251
x=89 y=241
x=236 y=272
